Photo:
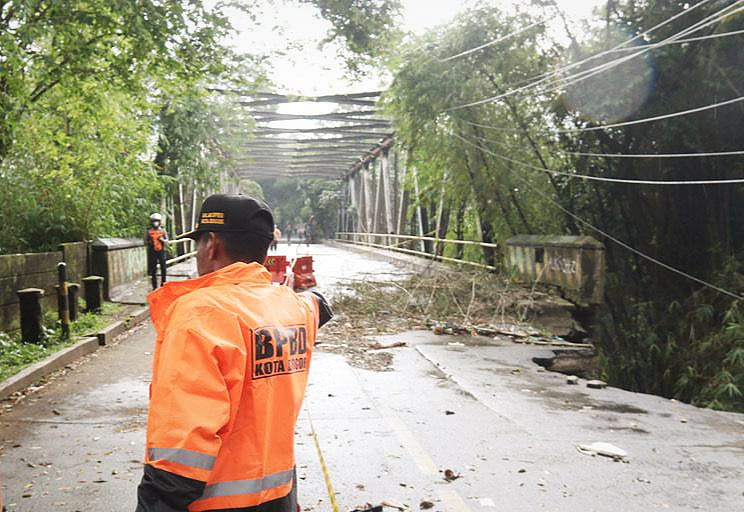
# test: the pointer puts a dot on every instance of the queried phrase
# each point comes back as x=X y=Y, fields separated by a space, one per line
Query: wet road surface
x=476 y=406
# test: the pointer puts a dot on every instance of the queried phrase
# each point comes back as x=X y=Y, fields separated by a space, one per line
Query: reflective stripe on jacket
x=229 y=374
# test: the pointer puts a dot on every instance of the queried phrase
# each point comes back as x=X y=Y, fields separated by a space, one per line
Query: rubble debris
x=572 y=379
x=368 y=507
x=426 y=504
x=445 y=303
x=379 y=346
x=449 y=413
x=514 y=330
x=584 y=363
x=551 y=342
x=596 y=384
x=391 y=504
x=603 y=449
x=451 y=475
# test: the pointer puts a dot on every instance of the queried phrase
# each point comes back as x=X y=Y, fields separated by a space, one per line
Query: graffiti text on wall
x=564 y=265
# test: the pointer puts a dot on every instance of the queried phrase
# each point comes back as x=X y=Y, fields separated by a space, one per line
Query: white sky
x=292 y=33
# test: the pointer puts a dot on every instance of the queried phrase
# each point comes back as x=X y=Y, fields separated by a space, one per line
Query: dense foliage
x=659 y=331
x=105 y=114
x=365 y=27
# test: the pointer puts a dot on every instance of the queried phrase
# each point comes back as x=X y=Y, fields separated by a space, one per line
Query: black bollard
x=93 y=293
x=32 y=318
x=73 y=291
x=63 y=301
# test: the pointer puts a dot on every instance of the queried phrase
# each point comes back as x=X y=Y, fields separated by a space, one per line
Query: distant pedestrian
x=300 y=234
x=289 y=234
x=155 y=239
x=277 y=237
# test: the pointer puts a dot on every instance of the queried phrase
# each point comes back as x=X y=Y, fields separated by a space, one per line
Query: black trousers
x=161 y=491
x=155 y=258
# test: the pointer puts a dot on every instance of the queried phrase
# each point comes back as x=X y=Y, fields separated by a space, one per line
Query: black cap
x=236 y=213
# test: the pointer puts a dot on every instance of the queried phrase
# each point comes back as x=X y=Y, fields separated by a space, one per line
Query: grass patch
x=16 y=355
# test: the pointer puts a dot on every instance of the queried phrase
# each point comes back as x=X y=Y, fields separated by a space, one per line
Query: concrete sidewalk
x=136 y=292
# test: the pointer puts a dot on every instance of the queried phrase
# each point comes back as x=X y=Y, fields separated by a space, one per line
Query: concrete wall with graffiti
x=576 y=264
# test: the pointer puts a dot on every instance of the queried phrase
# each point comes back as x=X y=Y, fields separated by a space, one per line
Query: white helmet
x=156 y=217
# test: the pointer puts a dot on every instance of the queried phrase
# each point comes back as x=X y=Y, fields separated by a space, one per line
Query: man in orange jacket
x=230 y=368
x=155 y=239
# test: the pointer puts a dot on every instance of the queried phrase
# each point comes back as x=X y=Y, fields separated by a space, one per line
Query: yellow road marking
x=323 y=467
x=420 y=456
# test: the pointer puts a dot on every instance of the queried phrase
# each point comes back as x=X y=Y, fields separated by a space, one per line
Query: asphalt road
x=478 y=407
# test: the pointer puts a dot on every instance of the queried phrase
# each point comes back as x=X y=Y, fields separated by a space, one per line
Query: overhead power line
x=559 y=82
x=495 y=41
x=655 y=155
x=600 y=178
x=626 y=123
x=543 y=77
x=546 y=77
x=621 y=243
x=562 y=83
x=653 y=46
x=655 y=118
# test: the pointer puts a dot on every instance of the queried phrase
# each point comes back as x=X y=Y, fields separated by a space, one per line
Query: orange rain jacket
x=230 y=368
x=154 y=239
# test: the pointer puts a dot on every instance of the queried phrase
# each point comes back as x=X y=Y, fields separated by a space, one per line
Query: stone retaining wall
x=37 y=270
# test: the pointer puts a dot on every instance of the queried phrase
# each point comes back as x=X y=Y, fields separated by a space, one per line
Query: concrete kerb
x=84 y=346
x=38 y=371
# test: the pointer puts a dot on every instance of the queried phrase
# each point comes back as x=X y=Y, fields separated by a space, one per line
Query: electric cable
x=545 y=77
x=586 y=74
x=617 y=47
x=495 y=41
x=600 y=178
x=653 y=46
x=655 y=155
x=620 y=242
x=628 y=123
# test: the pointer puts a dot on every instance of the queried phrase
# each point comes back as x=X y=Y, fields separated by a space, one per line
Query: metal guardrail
x=396 y=247
x=182 y=257
x=425 y=238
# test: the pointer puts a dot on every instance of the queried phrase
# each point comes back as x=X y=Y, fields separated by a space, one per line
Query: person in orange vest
x=230 y=368
x=155 y=240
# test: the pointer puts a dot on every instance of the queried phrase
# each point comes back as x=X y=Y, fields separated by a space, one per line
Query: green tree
x=659 y=332
x=76 y=169
x=131 y=45
x=366 y=28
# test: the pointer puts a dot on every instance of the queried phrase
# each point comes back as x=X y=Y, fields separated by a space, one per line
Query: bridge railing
x=182 y=257
x=393 y=242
